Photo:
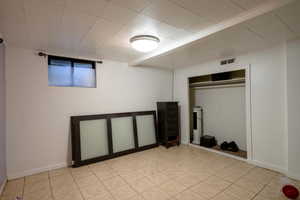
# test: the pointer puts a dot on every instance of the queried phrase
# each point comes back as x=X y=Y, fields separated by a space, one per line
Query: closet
x=218 y=112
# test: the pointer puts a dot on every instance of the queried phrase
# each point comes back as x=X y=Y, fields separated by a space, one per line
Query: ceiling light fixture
x=144 y=43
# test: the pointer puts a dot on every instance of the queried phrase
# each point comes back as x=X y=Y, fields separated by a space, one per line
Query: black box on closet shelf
x=208 y=141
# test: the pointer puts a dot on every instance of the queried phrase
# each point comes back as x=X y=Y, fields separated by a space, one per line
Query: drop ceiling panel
x=249 y=4
x=74 y=27
x=12 y=11
x=43 y=20
x=102 y=31
x=290 y=15
x=228 y=43
x=88 y=7
x=160 y=62
x=135 y=5
x=118 y=15
x=172 y=14
x=213 y=10
x=270 y=28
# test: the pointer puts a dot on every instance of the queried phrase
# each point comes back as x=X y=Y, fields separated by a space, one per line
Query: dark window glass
x=68 y=72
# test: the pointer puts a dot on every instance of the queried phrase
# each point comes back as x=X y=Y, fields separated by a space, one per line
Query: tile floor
x=180 y=173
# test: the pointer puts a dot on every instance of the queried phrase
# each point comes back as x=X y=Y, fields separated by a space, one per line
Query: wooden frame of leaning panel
x=76 y=141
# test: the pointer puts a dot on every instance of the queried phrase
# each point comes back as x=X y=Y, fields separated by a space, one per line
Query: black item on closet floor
x=231 y=146
x=208 y=141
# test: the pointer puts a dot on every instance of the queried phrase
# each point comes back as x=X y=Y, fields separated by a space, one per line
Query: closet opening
x=218 y=112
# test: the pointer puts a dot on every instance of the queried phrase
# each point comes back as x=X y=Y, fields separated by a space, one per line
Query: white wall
x=38 y=115
x=267 y=102
x=293 y=104
x=2 y=119
x=224 y=113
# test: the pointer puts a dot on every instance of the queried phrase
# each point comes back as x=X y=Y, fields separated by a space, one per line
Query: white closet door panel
x=146 y=130
x=93 y=136
x=122 y=134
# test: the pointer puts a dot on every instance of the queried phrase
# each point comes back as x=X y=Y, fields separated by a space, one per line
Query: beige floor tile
x=137 y=197
x=251 y=185
x=102 y=198
x=205 y=190
x=105 y=174
x=191 y=179
x=260 y=197
x=37 y=177
x=182 y=173
x=64 y=190
x=8 y=197
x=123 y=193
x=95 y=191
x=39 y=194
x=217 y=182
x=14 y=188
x=158 y=178
x=280 y=181
x=239 y=192
x=155 y=193
x=36 y=186
x=60 y=172
x=189 y=195
x=173 y=173
x=86 y=181
x=58 y=182
x=272 y=192
x=131 y=176
x=225 y=196
x=81 y=172
x=172 y=188
x=114 y=183
x=142 y=184
x=70 y=194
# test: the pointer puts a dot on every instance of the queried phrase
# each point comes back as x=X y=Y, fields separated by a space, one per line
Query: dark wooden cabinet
x=168 y=123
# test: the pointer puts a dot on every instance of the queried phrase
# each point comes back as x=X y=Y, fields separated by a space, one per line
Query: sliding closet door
x=101 y=137
x=122 y=134
x=146 y=130
x=94 y=140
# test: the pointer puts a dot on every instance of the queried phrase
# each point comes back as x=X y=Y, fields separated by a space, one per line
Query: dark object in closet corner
x=208 y=141
x=224 y=146
x=168 y=123
x=232 y=146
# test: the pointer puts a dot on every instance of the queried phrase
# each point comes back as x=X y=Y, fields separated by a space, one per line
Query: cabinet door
x=122 y=134
x=94 y=139
x=146 y=130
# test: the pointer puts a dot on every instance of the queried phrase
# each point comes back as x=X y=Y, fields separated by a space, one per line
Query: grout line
x=78 y=188
x=102 y=182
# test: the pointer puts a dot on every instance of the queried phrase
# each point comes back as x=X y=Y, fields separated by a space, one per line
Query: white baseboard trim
x=184 y=142
x=2 y=186
x=218 y=152
x=253 y=162
x=16 y=175
x=293 y=176
x=268 y=166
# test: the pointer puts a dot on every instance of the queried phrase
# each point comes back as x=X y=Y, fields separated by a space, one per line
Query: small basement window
x=70 y=72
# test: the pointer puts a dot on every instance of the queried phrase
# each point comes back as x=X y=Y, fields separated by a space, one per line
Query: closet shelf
x=218 y=83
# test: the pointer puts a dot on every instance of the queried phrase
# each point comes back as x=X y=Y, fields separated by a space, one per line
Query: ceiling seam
x=189 y=10
x=26 y=17
x=238 y=5
x=90 y=29
x=254 y=32
x=283 y=23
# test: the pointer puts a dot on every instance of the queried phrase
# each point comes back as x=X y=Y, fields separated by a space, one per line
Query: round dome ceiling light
x=144 y=43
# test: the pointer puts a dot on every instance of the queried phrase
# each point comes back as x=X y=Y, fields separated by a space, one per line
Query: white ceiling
x=263 y=31
x=103 y=27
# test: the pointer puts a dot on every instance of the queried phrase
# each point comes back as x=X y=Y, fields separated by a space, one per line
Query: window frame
x=72 y=60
